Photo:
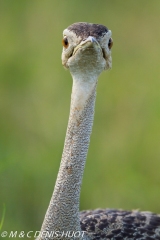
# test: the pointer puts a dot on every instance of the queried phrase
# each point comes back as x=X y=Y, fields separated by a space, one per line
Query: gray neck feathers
x=63 y=211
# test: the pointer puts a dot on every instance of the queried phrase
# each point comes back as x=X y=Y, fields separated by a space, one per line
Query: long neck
x=63 y=211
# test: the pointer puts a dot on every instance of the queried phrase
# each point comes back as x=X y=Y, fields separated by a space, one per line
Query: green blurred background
x=123 y=165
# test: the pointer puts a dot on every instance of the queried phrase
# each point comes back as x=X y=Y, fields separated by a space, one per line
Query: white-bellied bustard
x=86 y=53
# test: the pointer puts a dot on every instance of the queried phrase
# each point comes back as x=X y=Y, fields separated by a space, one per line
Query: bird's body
x=86 y=53
x=118 y=225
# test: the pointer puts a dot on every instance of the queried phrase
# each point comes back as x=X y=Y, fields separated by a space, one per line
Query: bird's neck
x=63 y=211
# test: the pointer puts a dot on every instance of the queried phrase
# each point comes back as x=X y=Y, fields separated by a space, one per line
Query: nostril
x=71 y=54
x=104 y=56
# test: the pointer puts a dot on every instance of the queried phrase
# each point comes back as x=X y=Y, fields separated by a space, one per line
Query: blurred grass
x=122 y=169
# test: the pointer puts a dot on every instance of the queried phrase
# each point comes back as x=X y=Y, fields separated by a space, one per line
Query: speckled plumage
x=86 y=53
x=118 y=224
x=84 y=30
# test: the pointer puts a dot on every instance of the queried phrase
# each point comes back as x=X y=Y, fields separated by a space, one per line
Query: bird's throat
x=63 y=211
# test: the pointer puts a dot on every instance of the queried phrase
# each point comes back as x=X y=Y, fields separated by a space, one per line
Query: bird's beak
x=90 y=39
x=89 y=42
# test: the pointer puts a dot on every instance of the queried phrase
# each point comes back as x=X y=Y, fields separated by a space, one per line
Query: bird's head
x=87 y=48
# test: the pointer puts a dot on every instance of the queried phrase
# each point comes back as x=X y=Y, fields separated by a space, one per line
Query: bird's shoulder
x=119 y=224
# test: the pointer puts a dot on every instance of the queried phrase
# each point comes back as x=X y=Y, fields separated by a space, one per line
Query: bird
x=87 y=53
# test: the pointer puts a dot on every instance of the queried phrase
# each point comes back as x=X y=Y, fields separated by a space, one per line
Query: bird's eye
x=110 y=43
x=65 y=42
